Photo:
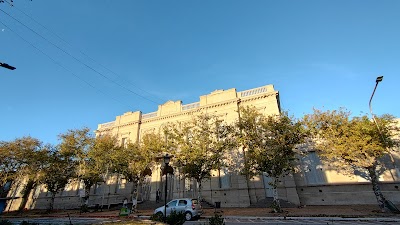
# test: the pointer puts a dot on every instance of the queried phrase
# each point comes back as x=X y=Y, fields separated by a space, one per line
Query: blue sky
x=138 y=54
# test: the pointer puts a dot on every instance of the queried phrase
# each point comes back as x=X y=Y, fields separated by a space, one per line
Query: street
x=228 y=221
x=60 y=220
x=299 y=221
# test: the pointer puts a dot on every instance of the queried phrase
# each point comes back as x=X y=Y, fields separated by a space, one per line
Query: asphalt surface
x=353 y=214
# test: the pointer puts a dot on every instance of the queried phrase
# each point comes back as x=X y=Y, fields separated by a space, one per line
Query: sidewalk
x=352 y=211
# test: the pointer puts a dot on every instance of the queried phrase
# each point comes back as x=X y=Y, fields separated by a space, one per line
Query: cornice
x=253 y=98
x=195 y=110
x=191 y=111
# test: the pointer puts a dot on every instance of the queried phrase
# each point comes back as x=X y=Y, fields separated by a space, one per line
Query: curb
x=143 y=217
x=380 y=219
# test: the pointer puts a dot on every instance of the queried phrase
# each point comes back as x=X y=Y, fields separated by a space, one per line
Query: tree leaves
x=347 y=142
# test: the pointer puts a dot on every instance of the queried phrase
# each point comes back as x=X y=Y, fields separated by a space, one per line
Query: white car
x=190 y=207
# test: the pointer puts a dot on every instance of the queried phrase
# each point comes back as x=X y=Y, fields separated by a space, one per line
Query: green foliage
x=28 y=223
x=75 y=143
x=75 y=147
x=216 y=220
x=203 y=143
x=175 y=218
x=21 y=158
x=58 y=170
x=352 y=143
x=268 y=143
x=5 y=222
x=157 y=217
x=105 y=154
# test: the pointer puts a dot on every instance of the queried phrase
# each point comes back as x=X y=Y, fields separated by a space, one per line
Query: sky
x=80 y=64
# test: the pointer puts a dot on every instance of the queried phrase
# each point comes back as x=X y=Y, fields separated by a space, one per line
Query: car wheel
x=159 y=215
x=188 y=216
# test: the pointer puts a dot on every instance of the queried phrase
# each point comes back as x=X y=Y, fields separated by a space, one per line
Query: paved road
x=62 y=221
x=228 y=221
x=314 y=221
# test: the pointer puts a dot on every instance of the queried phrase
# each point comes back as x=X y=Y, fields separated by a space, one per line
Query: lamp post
x=166 y=162
x=378 y=79
x=5 y=65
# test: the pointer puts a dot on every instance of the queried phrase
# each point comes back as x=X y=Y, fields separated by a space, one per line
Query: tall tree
x=58 y=170
x=137 y=159
x=9 y=164
x=22 y=159
x=75 y=145
x=104 y=156
x=32 y=161
x=269 y=142
x=353 y=143
x=202 y=146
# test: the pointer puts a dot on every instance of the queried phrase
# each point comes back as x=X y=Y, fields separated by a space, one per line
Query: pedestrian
x=158 y=195
x=125 y=204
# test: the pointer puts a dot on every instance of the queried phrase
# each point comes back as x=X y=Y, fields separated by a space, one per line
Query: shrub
x=28 y=223
x=5 y=222
x=216 y=220
x=157 y=217
x=173 y=219
x=176 y=218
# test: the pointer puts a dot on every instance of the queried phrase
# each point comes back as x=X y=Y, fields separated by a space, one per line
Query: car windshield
x=172 y=203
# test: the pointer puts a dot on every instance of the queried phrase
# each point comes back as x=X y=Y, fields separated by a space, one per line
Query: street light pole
x=5 y=65
x=166 y=161
x=379 y=79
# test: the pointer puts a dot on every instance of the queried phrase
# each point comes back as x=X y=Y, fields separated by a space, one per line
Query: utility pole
x=5 y=65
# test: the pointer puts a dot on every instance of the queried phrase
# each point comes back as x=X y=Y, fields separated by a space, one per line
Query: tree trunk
x=139 y=184
x=247 y=176
x=276 y=205
x=375 y=187
x=28 y=188
x=51 y=205
x=87 y=193
x=199 y=197
x=84 y=206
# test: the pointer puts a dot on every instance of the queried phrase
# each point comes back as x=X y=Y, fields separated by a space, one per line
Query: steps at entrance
x=207 y=205
x=267 y=202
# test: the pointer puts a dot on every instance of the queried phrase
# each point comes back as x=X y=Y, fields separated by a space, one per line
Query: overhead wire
x=76 y=59
x=59 y=64
x=83 y=53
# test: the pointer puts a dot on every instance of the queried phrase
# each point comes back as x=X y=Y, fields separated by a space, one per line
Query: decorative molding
x=190 y=109
x=191 y=106
x=253 y=91
x=149 y=115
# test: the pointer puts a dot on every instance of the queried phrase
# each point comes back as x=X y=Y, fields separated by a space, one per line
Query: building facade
x=229 y=188
x=313 y=183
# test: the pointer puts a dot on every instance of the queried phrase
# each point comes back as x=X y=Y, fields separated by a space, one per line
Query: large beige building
x=313 y=184
x=229 y=188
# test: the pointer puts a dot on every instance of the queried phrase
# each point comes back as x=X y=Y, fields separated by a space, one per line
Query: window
x=224 y=178
x=182 y=203
x=172 y=204
x=123 y=142
x=313 y=169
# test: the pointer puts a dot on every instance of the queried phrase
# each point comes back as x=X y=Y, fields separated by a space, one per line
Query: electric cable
x=66 y=42
x=76 y=59
x=59 y=64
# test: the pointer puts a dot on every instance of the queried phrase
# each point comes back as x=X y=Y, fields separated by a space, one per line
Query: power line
x=59 y=64
x=76 y=59
x=53 y=33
